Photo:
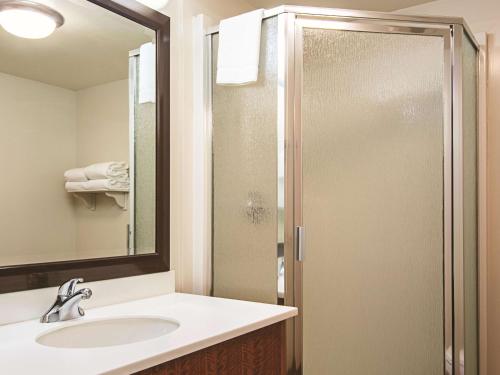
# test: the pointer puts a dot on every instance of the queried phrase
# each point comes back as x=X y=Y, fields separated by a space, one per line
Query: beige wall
x=37 y=143
x=484 y=16
x=181 y=13
x=102 y=135
x=44 y=131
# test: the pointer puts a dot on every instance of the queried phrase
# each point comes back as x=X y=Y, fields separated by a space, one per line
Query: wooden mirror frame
x=41 y=275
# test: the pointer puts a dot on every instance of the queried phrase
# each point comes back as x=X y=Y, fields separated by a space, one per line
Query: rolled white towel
x=96 y=185
x=111 y=169
x=75 y=175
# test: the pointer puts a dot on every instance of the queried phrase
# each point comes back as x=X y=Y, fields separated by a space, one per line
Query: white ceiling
x=376 y=5
x=91 y=48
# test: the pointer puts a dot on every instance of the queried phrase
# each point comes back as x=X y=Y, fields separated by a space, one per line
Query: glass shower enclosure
x=344 y=183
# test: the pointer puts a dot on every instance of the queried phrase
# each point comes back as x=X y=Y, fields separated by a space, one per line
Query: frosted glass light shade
x=27 y=19
x=27 y=23
x=154 y=4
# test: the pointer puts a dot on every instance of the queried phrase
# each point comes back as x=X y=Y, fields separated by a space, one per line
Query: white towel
x=449 y=361
x=75 y=174
x=117 y=170
x=147 y=73
x=239 y=49
x=96 y=185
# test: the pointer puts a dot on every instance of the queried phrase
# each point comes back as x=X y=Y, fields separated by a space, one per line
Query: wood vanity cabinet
x=260 y=352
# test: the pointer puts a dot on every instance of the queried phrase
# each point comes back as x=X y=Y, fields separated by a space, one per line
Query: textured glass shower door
x=373 y=141
x=245 y=179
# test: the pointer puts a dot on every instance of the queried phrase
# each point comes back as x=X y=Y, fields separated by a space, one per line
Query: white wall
x=37 y=143
x=102 y=135
x=181 y=13
x=484 y=16
x=45 y=131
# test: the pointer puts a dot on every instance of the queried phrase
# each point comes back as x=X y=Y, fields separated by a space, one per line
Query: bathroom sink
x=107 y=332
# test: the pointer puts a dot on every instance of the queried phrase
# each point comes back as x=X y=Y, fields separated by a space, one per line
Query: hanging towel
x=96 y=185
x=449 y=361
x=239 y=49
x=75 y=175
x=147 y=73
x=117 y=170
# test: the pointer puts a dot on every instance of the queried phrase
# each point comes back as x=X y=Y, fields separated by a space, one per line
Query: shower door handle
x=300 y=243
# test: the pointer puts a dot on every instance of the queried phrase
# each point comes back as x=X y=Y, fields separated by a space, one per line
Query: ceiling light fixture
x=27 y=19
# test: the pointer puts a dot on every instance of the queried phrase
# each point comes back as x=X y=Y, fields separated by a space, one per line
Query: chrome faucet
x=66 y=305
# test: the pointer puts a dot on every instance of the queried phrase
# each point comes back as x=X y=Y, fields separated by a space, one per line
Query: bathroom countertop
x=204 y=321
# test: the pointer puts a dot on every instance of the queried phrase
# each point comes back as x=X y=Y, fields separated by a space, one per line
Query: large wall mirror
x=84 y=141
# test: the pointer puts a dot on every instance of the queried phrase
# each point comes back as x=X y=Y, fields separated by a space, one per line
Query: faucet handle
x=68 y=288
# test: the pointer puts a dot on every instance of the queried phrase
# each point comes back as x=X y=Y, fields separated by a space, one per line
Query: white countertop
x=204 y=321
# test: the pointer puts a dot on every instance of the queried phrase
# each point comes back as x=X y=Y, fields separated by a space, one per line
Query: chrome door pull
x=300 y=241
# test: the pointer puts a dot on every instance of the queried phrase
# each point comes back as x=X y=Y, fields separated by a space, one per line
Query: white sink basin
x=107 y=332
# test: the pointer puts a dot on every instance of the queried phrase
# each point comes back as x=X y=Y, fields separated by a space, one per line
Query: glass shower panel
x=245 y=182
x=470 y=239
x=142 y=169
x=372 y=154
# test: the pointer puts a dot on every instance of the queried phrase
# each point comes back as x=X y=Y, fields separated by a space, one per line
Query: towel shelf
x=88 y=198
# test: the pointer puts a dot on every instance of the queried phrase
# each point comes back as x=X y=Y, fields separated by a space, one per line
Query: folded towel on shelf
x=239 y=49
x=75 y=175
x=97 y=185
x=117 y=170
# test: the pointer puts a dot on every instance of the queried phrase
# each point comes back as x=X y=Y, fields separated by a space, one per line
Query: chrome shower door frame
x=293 y=205
x=291 y=21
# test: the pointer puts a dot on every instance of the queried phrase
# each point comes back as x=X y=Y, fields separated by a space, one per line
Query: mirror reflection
x=77 y=133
